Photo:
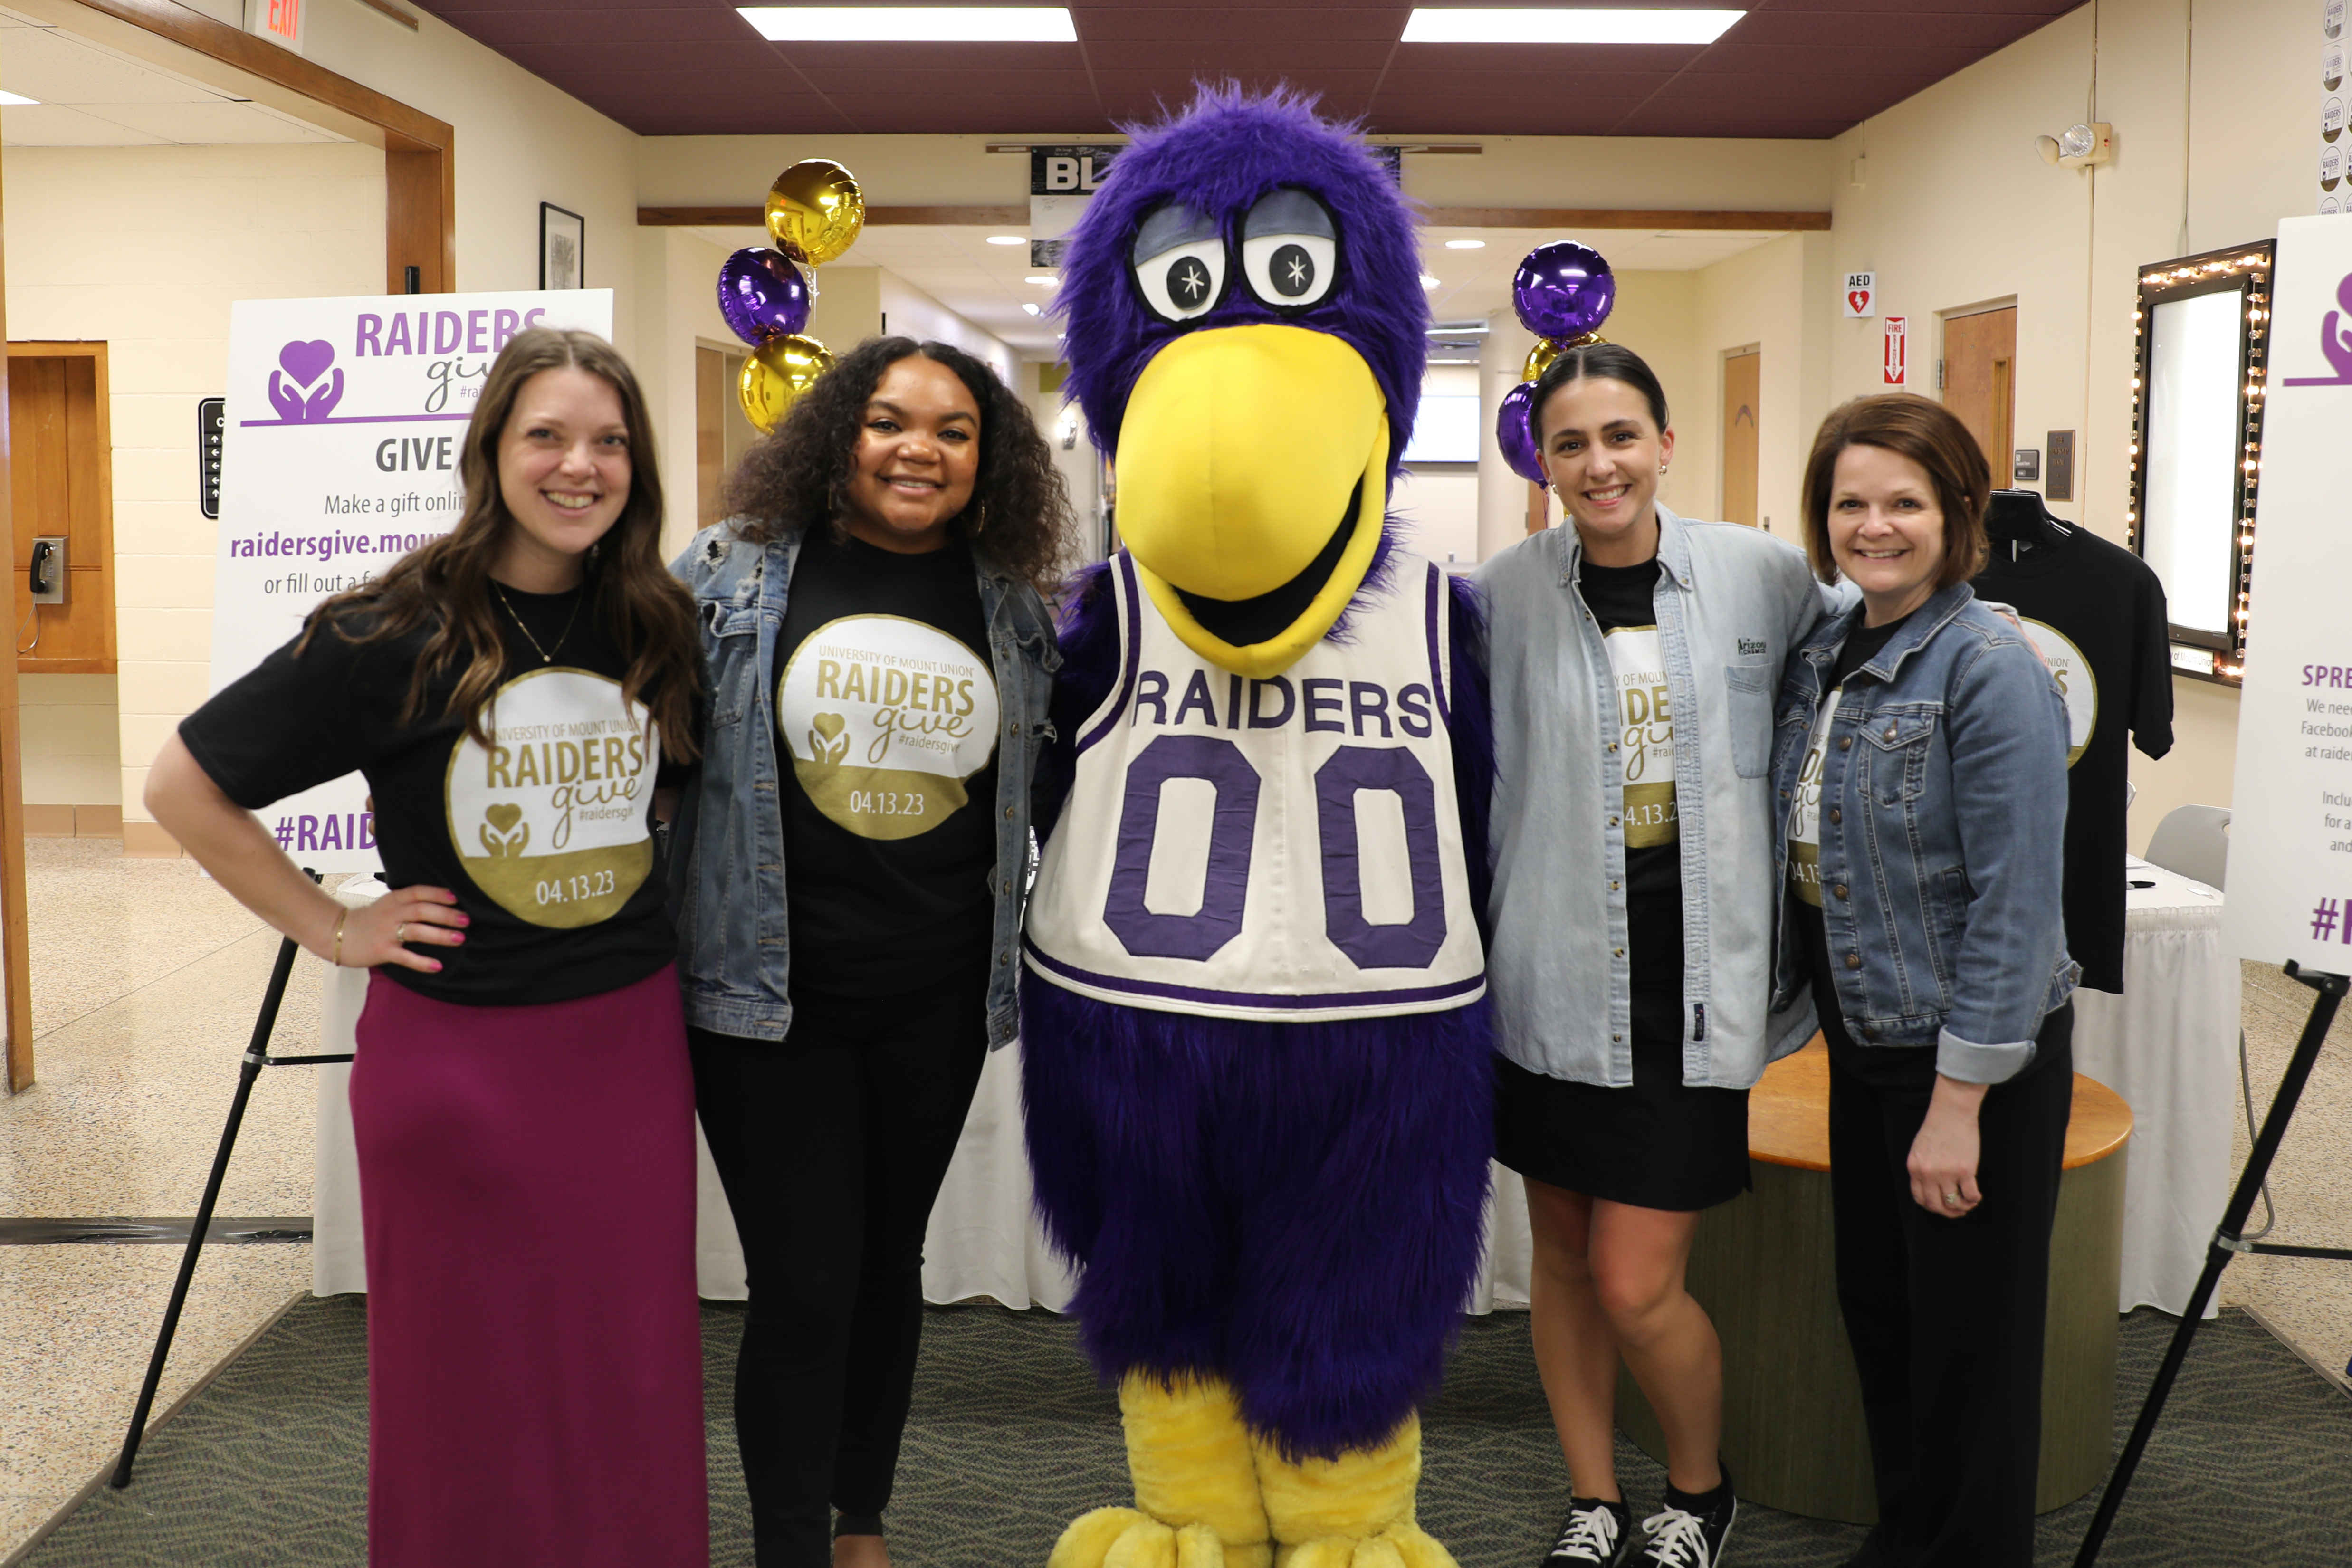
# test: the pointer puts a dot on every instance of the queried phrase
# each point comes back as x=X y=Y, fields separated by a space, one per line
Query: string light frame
x=2246 y=270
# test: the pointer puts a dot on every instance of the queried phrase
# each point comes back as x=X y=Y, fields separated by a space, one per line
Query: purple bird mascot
x=1255 y=1035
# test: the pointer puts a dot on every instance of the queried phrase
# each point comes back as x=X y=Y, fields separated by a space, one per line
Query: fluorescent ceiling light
x=1427 y=282
x=1465 y=245
x=1030 y=309
x=1008 y=239
x=1044 y=282
x=1463 y=25
x=19 y=100
x=911 y=24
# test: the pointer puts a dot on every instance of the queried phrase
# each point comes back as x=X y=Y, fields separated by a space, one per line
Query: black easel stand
x=2226 y=1245
x=256 y=1057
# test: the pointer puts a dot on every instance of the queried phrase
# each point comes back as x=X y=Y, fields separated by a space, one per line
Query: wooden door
x=1743 y=383
x=1981 y=381
x=60 y=485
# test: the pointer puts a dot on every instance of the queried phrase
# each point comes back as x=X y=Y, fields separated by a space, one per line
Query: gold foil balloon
x=815 y=210
x=1539 y=359
x=775 y=374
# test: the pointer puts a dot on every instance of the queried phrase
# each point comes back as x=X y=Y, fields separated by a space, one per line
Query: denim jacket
x=1732 y=603
x=726 y=855
x=1943 y=825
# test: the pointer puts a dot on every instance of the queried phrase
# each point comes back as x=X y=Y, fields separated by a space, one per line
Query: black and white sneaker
x=1594 y=1532
x=1678 y=1538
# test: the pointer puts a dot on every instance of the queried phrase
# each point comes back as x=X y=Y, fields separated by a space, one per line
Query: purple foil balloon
x=1563 y=290
x=1515 y=436
x=762 y=295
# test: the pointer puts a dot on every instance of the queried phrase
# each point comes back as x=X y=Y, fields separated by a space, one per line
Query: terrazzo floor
x=145 y=979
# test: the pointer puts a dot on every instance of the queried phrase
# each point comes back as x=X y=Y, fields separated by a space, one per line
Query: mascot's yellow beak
x=1253 y=476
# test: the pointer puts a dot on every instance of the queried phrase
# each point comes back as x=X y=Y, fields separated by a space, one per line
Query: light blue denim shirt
x=1943 y=833
x=1732 y=603
x=727 y=845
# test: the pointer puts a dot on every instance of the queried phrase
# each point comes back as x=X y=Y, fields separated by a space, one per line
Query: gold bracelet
x=339 y=919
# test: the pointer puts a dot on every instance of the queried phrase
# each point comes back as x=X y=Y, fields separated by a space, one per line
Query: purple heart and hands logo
x=296 y=388
x=2335 y=341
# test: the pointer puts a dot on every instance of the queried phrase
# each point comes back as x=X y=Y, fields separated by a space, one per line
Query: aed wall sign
x=1861 y=295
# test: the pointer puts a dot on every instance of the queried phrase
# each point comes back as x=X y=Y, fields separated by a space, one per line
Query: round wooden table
x=1764 y=1266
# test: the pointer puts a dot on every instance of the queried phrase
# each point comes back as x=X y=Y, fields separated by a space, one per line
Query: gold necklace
x=546 y=656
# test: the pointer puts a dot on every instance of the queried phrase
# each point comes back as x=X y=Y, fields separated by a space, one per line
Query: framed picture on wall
x=563 y=248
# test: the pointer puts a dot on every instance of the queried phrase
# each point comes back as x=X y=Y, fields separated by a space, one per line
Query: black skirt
x=1659 y=1144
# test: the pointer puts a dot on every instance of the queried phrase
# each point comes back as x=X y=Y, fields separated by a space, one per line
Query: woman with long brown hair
x=521 y=1100
x=852 y=860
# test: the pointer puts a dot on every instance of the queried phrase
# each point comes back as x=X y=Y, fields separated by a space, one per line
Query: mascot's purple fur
x=1277 y=1223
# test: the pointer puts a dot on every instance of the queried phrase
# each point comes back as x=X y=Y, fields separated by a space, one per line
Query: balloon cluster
x=1562 y=293
x=815 y=210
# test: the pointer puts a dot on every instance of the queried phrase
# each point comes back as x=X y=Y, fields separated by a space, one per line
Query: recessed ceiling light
x=911 y=24
x=1435 y=361
x=19 y=100
x=1008 y=239
x=1452 y=24
x=1465 y=245
x=1427 y=282
x=1043 y=282
x=1032 y=309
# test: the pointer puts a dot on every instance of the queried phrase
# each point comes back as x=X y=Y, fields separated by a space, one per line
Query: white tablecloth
x=984 y=1240
x=2168 y=1046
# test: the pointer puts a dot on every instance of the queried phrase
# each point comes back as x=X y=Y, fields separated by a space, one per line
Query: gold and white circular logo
x=885 y=718
x=550 y=818
x=2071 y=671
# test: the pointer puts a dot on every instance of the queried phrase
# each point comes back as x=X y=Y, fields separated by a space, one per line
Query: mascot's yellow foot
x=1354 y=1512
x=1196 y=1488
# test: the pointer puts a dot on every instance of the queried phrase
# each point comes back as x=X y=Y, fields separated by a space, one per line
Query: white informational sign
x=1062 y=181
x=1861 y=292
x=1894 y=362
x=2290 y=815
x=339 y=455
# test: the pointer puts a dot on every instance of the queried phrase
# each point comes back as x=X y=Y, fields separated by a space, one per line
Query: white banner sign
x=2290 y=815
x=340 y=455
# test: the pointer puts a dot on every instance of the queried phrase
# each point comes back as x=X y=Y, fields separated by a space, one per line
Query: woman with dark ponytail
x=1635 y=659
x=513 y=691
x=850 y=869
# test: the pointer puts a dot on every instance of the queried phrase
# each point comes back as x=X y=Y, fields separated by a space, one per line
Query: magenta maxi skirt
x=534 y=1343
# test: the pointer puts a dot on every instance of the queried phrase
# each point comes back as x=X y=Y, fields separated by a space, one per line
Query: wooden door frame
x=16 y=954
x=420 y=230
x=420 y=163
x=94 y=350
x=1723 y=358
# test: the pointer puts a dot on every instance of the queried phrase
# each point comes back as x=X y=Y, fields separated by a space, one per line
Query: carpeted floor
x=1011 y=1437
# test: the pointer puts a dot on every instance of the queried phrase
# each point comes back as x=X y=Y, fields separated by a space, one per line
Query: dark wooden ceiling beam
x=1436 y=217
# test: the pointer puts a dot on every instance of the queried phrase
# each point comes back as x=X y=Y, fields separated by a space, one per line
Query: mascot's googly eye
x=1290 y=250
x=1179 y=262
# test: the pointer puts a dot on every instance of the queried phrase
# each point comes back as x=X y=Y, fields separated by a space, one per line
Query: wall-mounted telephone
x=48 y=570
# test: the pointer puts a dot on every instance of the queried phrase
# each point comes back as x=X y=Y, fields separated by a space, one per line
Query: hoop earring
x=979 y=519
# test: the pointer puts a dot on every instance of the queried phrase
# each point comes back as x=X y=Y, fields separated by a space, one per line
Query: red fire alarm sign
x=1895 y=349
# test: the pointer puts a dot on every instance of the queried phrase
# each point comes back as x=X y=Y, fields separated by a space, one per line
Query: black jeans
x=1946 y=1315
x=832 y=1146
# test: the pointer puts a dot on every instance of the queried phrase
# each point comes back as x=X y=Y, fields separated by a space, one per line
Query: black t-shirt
x=1622 y=599
x=886 y=719
x=1861 y=646
x=546 y=836
x=2097 y=613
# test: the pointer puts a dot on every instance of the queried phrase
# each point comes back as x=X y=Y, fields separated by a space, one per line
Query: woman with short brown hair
x=1920 y=774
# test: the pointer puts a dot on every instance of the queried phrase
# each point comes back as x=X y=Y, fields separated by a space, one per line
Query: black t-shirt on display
x=886 y=719
x=2097 y=613
x=545 y=837
x=1622 y=602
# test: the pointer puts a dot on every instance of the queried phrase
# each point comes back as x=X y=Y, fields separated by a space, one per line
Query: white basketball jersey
x=1281 y=849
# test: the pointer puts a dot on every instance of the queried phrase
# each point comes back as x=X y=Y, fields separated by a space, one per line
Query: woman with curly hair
x=849 y=879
